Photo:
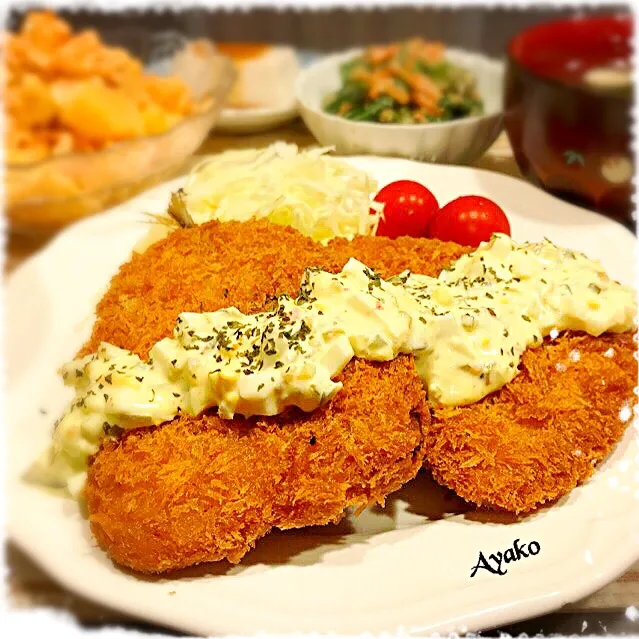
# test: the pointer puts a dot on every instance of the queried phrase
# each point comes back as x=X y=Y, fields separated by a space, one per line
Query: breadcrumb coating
x=203 y=489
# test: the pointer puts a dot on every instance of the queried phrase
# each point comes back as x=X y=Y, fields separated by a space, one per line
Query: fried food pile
x=70 y=92
x=203 y=489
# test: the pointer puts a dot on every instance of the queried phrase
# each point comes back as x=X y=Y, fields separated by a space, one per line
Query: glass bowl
x=44 y=196
x=571 y=137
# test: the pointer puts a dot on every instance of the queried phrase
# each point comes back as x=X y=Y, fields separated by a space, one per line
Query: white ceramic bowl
x=456 y=142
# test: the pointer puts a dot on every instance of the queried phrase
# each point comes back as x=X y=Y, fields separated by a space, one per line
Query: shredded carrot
x=383 y=83
x=379 y=54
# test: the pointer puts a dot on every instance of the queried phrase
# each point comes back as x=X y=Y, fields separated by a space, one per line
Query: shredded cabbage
x=320 y=196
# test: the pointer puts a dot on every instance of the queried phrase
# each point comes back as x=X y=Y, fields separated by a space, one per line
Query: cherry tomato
x=408 y=209
x=469 y=220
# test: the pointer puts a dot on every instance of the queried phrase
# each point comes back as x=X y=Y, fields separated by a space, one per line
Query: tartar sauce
x=467 y=329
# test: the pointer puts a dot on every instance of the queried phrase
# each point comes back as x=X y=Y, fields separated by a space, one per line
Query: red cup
x=568 y=135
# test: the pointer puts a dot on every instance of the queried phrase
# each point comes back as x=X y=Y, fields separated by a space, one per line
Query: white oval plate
x=388 y=570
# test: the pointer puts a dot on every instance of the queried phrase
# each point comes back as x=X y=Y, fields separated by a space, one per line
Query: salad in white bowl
x=420 y=102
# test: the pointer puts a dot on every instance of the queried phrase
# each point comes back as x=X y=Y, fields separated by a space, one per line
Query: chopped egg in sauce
x=467 y=329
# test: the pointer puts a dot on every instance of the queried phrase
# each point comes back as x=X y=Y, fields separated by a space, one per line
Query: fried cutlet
x=200 y=489
x=237 y=264
x=543 y=433
x=203 y=489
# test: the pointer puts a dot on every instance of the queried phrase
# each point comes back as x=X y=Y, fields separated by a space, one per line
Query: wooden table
x=29 y=587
